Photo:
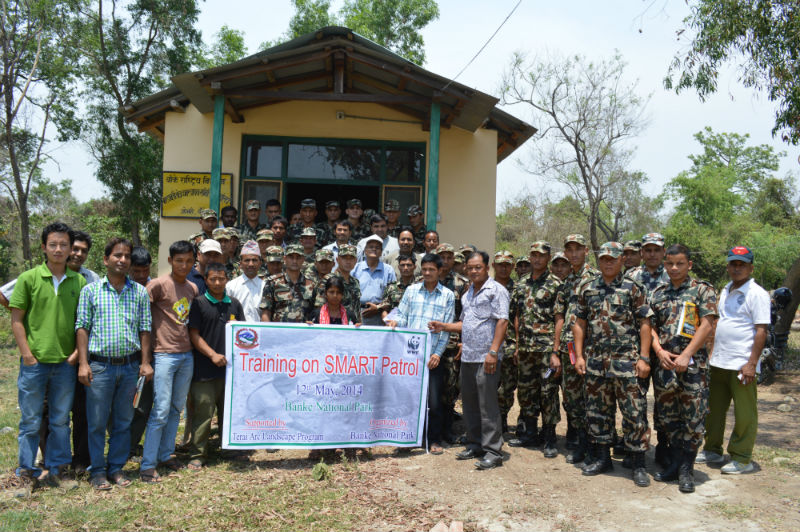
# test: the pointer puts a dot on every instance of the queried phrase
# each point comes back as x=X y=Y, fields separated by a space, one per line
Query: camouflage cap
x=541 y=246
x=466 y=249
x=632 y=245
x=445 y=248
x=206 y=214
x=252 y=204
x=575 y=237
x=355 y=202
x=458 y=257
x=523 y=260
x=195 y=236
x=295 y=249
x=653 y=238
x=308 y=202
x=610 y=249
x=502 y=257
x=368 y=213
x=348 y=250
x=332 y=203
x=323 y=254
x=559 y=255
x=274 y=254
x=220 y=233
x=414 y=210
x=233 y=233
x=309 y=231
x=264 y=234
x=391 y=205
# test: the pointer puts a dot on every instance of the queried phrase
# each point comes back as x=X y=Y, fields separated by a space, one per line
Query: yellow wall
x=467 y=167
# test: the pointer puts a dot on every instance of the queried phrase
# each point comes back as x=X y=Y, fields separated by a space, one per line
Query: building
x=330 y=115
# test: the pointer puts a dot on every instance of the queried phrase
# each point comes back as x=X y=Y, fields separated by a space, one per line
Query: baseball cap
x=632 y=245
x=559 y=255
x=741 y=253
x=540 y=246
x=308 y=202
x=354 y=202
x=252 y=204
x=458 y=258
x=348 y=250
x=205 y=214
x=250 y=248
x=220 y=233
x=414 y=210
x=611 y=249
x=233 y=233
x=502 y=257
x=309 y=231
x=264 y=234
x=653 y=238
x=391 y=205
x=575 y=237
x=295 y=249
x=373 y=238
x=323 y=254
x=274 y=254
x=209 y=245
x=445 y=248
x=523 y=260
x=332 y=203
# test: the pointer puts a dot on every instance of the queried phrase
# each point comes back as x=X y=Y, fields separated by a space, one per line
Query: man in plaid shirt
x=422 y=303
x=113 y=337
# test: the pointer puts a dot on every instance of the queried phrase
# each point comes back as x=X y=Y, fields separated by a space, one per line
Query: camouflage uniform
x=274 y=254
x=310 y=270
x=682 y=398
x=419 y=233
x=351 y=299
x=288 y=301
x=248 y=232
x=572 y=382
x=612 y=312
x=533 y=303
x=392 y=295
x=296 y=230
x=509 y=369
x=392 y=205
x=328 y=234
x=458 y=284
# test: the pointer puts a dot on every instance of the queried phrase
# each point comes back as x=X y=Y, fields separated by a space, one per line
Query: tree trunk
x=792 y=281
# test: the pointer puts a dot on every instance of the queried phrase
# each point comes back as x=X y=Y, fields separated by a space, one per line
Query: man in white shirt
x=247 y=287
x=739 y=339
x=342 y=231
x=377 y=224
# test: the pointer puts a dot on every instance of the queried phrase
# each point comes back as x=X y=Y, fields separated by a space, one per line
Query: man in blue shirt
x=373 y=277
x=423 y=303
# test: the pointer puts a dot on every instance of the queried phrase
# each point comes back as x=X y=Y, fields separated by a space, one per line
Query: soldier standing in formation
x=560 y=266
x=416 y=218
x=288 y=296
x=251 y=226
x=391 y=211
x=509 y=369
x=406 y=272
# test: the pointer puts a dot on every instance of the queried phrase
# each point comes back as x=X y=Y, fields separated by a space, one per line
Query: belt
x=117 y=361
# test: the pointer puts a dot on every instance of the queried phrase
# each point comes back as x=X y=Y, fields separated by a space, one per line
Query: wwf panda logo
x=413 y=345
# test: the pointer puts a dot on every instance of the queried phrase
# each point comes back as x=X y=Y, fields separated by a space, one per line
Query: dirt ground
x=534 y=493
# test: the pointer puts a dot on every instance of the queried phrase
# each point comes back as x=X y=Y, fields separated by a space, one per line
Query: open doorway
x=322 y=193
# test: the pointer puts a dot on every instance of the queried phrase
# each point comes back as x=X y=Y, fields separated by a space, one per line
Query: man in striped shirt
x=422 y=303
x=113 y=337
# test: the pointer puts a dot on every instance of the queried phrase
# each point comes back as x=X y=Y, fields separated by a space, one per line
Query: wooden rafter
x=265 y=66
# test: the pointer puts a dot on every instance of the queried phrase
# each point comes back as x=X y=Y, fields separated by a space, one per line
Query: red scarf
x=325 y=315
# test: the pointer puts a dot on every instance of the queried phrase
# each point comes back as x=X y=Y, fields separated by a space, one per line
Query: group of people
x=599 y=335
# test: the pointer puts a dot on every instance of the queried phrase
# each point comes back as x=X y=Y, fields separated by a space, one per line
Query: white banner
x=324 y=386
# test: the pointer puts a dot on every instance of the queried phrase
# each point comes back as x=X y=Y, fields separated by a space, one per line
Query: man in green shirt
x=43 y=311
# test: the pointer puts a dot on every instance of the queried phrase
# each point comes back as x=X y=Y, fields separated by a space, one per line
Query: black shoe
x=627 y=462
x=640 y=476
x=670 y=472
x=601 y=464
x=686 y=472
x=468 y=454
x=527 y=434
x=550 y=450
x=591 y=454
x=578 y=454
x=489 y=463
x=663 y=453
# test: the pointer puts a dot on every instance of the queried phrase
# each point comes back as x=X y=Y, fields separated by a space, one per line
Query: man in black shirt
x=207 y=318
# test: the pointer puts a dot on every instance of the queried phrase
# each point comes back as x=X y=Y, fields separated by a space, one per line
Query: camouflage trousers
x=644 y=383
x=452 y=384
x=603 y=392
x=509 y=374
x=682 y=404
x=535 y=393
x=573 y=392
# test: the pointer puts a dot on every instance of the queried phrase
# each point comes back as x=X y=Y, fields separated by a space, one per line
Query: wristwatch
x=493 y=352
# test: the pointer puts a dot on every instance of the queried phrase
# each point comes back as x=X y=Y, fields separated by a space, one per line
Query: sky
x=642 y=31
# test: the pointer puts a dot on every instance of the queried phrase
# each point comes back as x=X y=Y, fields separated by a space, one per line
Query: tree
x=395 y=24
x=761 y=37
x=587 y=115
x=36 y=69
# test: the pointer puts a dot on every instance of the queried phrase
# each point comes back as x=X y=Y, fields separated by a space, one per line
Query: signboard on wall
x=183 y=194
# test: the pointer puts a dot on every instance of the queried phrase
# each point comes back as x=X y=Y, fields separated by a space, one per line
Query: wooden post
x=216 y=152
x=432 y=203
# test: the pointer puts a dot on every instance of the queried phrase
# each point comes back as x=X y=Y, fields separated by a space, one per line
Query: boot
x=686 y=472
x=670 y=473
x=591 y=454
x=640 y=476
x=550 y=450
x=662 y=449
x=579 y=452
x=530 y=436
x=572 y=437
x=504 y=421
x=602 y=463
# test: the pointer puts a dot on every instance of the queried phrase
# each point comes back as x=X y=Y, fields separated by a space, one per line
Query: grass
x=766 y=455
x=731 y=511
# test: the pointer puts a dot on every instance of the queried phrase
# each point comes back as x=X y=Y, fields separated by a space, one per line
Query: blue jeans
x=171 y=381
x=110 y=395
x=57 y=381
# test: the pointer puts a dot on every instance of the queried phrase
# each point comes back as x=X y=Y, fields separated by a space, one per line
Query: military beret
x=206 y=214
x=540 y=246
x=611 y=249
x=575 y=237
x=252 y=204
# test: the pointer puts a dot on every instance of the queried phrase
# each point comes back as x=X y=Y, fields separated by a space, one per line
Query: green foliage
x=321 y=471
x=395 y=24
x=228 y=47
x=761 y=37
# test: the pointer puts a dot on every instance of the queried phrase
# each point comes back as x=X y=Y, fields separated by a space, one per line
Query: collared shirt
x=8 y=288
x=390 y=244
x=114 y=319
x=334 y=247
x=248 y=292
x=419 y=307
x=740 y=310
x=197 y=279
x=89 y=275
x=479 y=315
x=373 y=282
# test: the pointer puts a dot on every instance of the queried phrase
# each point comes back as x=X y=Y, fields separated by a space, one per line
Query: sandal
x=195 y=465
x=149 y=476
x=436 y=449
x=119 y=478
x=172 y=464
x=100 y=483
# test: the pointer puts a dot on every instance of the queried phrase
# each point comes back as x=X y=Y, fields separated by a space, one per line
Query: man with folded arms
x=113 y=336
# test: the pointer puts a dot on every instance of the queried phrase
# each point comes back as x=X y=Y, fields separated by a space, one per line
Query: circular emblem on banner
x=246 y=338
